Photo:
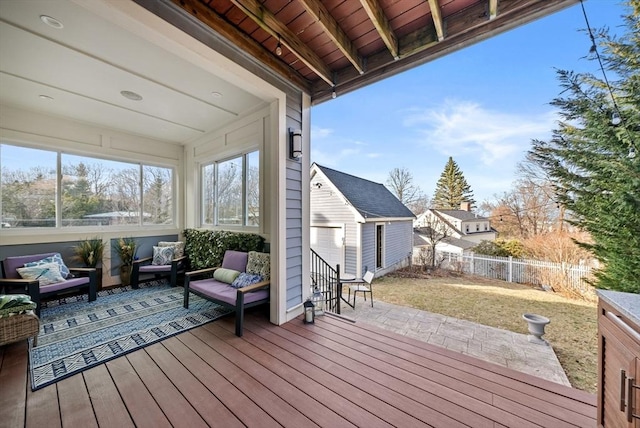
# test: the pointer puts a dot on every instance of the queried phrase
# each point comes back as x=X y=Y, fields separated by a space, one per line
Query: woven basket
x=18 y=327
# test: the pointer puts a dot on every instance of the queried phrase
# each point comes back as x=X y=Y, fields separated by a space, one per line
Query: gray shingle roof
x=462 y=215
x=372 y=200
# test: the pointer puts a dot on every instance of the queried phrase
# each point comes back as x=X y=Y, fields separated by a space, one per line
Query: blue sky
x=481 y=105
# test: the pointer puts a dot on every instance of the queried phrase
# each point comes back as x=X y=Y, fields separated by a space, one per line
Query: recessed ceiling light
x=216 y=94
x=46 y=97
x=51 y=22
x=131 y=95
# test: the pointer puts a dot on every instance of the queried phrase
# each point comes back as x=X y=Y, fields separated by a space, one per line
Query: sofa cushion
x=162 y=255
x=155 y=268
x=225 y=275
x=48 y=273
x=65 y=285
x=224 y=293
x=245 y=279
x=236 y=260
x=56 y=258
x=259 y=264
x=178 y=247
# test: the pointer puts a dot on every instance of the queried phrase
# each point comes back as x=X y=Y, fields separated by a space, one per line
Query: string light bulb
x=632 y=152
x=333 y=93
x=279 y=47
x=616 y=119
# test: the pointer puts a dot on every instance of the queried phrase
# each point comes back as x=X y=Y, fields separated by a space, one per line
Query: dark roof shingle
x=372 y=200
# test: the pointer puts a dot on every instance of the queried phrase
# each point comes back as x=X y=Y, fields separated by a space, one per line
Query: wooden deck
x=331 y=374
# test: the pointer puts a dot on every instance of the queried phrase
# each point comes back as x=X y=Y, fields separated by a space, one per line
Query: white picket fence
x=570 y=278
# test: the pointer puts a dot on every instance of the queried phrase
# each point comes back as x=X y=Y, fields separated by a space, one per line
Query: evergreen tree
x=452 y=188
x=592 y=155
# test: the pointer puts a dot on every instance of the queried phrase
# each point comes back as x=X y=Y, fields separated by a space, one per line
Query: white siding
x=330 y=208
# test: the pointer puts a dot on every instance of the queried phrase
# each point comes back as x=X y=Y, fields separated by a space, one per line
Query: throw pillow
x=162 y=256
x=11 y=304
x=259 y=264
x=225 y=275
x=245 y=279
x=46 y=274
x=177 y=245
x=56 y=258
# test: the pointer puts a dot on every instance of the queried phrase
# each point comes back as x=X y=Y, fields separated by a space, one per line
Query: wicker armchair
x=17 y=321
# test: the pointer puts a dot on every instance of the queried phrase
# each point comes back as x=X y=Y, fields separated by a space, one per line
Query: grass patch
x=572 y=331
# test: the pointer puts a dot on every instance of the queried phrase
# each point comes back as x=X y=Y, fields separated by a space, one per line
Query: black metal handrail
x=327 y=280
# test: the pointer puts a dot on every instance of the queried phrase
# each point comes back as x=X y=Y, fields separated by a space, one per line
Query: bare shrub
x=558 y=247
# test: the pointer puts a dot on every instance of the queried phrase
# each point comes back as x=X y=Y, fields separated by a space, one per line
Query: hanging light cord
x=594 y=49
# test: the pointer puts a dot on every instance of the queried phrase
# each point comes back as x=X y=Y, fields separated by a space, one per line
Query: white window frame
x=245 y=217
x=97 y=228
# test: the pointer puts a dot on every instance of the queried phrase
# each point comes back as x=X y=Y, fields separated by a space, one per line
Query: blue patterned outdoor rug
x=76 y=334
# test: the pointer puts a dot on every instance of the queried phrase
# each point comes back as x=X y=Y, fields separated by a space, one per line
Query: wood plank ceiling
x=329 y=47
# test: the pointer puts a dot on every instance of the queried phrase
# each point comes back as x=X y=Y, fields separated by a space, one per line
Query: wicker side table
x=19 y=327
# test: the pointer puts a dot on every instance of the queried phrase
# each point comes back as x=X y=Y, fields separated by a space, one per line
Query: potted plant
x=89 y=252
x=126 y=250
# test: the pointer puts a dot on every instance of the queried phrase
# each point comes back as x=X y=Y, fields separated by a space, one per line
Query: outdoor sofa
x=241 y=282
x=76 y=278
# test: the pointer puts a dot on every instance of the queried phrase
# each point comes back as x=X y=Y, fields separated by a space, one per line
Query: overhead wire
x=617 y=117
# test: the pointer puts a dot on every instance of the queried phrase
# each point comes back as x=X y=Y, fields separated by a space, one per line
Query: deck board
x=143 y=409
x=108 y=406
x=447 y=374
x=75 y=406
x=284 y=413
x=173 y=404
x=229 y=394
x=332 y=373
x=212 y=411
x=285 y=385
x=13 y=378
x=43 y=408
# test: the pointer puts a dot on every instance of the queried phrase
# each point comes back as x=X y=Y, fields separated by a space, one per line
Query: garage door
x=327 y=242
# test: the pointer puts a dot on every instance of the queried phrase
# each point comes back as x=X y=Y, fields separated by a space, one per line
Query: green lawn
x=572 y=331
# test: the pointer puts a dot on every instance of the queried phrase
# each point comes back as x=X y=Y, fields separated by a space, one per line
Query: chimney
x=465 y=206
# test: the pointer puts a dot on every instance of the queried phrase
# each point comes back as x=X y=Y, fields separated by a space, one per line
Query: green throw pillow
x=259 y=264
x=225 y=275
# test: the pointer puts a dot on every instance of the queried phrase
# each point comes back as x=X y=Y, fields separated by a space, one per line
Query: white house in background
x=358 y=224
x=464 y=229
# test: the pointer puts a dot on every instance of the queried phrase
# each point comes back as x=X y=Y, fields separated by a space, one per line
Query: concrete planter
x=536 y=325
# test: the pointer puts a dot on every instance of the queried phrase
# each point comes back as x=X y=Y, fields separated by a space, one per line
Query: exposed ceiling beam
x=464 y=28
x=380 y=21
x=332 y=29
x=221 y=26
x=269 y=23
x=493 y=9
x=436 y=15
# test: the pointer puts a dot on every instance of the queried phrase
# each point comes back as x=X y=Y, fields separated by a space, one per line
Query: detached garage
x=328 y=242
x=358 y=224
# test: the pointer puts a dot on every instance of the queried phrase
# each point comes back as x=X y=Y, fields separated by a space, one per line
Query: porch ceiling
x=326 y=45
x=341 y=45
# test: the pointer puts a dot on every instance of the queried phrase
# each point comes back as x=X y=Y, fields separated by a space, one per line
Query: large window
x=231 y=191
x=43 y=188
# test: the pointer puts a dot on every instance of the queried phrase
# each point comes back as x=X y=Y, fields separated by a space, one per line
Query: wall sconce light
x=295 y=143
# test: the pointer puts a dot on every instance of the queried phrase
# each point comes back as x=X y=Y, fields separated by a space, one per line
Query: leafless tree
x=400 y=182
x=435 y=230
